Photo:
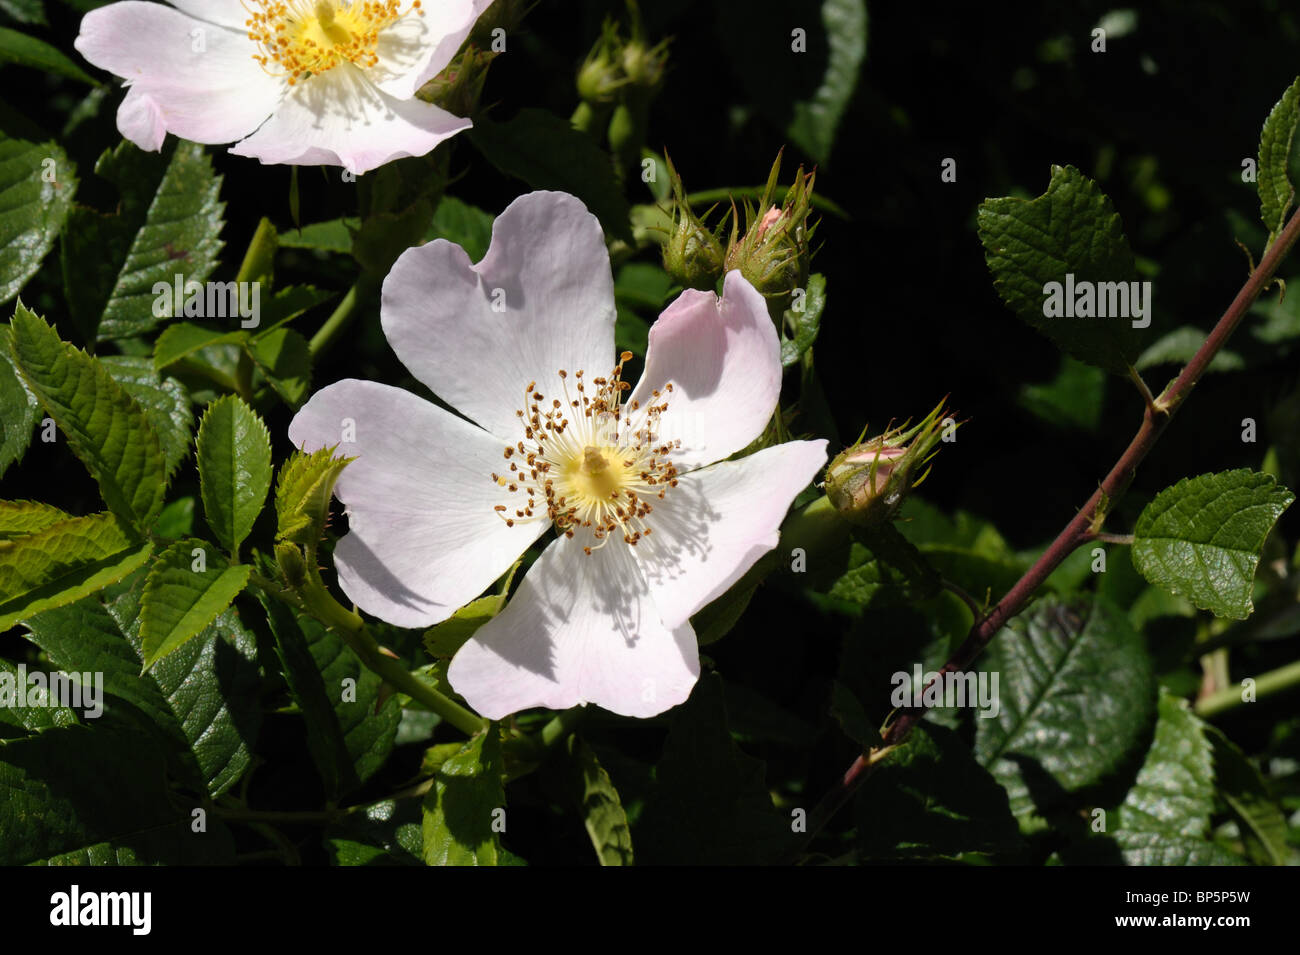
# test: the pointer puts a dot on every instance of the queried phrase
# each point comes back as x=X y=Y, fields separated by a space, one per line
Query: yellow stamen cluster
x=588 y=464
x=300 y=38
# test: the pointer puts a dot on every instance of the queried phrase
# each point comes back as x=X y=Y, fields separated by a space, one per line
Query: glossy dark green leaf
x=350 y=732
x=1202 y=537
x=1076 y=696
x=201 y=701
x=104 y=426
x=37 y=183
x=464 y=812
x=167 y=225
x=1279 y=155
x=1072 y=229
x=54 y=810
x=709 y=803
x=547 y=153
x=930 y=799
x=189 y=584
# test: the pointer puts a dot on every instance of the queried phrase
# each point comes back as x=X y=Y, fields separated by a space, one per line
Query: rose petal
x=718 y=521
x=213 y=95
x=724 y=361
x=140 y=120
x=340 y=118
x=581 y=629
x=418 y=46
x=547 y=268
x=423 y=536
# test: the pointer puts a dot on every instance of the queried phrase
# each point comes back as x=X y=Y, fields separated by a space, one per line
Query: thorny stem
x=1155 y=419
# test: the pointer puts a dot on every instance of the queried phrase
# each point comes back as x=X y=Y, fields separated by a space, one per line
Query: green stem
x=317 y=601
x=1266 y=684
x=321 y=604
x=244 y=376
x=341 y=315
x=561 y=727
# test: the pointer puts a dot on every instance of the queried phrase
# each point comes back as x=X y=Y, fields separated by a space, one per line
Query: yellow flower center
x=586 y=463
x=300 y=38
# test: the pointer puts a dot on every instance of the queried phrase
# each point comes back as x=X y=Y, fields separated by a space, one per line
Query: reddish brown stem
x=1086 y=522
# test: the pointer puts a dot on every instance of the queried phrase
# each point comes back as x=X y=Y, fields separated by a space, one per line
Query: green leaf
x=642 y=285
x=443 y=640
x=817 y=119
x=1240 y=785
x=168 y=225
x=284 y=357
x=631 y=332
x=547 y=153
x=234 y=457
x=30 y=718
x=20 y=518
x=25 y=11
x=202 y=701
x=290 y=302
x=63 y=562
x=803 y=90
x=462 y=810
x=930 y=799
x=333 y=236
x=1165 y=818
x=55 y=809
x=709 y=803
x=592 y=791
x=853 y=719
x=182 y=339
x=467 y=226
x=164 y=401
x=302 y=494
x=1072 y=228
x=176 y=519
x=211 y=687
x=349 y=731
x=1278 y=159
x=37 y=183
x=383 y=236
x=183 y=596
x=1177 y=348
x=805 y=323
x=1073 y=399
x=26 y=50
x=716 y=619
x=1202 y=537
x=387 y=832
x=106 y=428
x=1174 y=790
x=19 y=409
x=1076 y=695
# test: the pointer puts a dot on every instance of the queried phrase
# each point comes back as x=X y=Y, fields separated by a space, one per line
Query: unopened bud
x=774 y=253
x=458 y=87
x=692 y=254
x=601 y=75
x=868 y=482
